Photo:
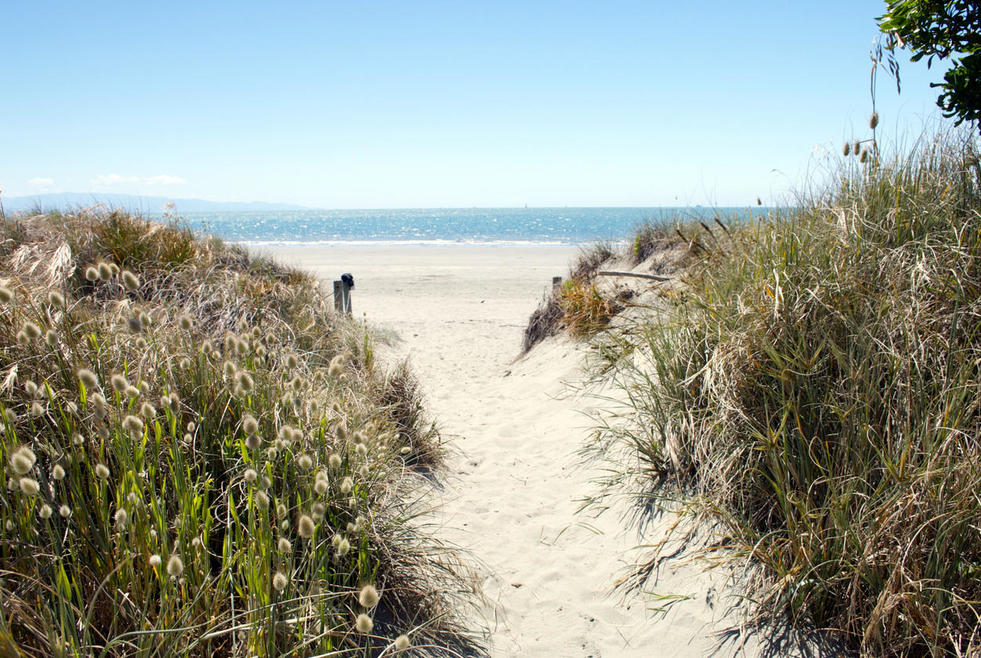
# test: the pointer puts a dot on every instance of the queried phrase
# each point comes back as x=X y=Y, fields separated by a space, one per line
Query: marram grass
x=231 y=470
x=814 y=388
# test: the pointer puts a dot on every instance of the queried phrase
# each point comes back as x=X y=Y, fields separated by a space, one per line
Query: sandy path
x=515 y=486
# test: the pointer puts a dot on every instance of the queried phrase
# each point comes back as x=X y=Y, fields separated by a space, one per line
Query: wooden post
x=342 y=294
x=556 y=281
x=346 y=294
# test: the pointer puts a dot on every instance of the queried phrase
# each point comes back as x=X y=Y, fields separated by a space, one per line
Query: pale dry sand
x=516 y=483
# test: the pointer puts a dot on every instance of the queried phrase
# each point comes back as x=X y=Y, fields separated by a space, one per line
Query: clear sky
x=418 y=104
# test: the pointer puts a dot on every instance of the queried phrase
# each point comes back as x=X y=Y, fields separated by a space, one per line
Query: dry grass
x=200 y=457
x=815 y=392
x=584 y=309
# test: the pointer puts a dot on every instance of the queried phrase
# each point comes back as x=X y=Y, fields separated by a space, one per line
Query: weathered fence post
x=342 y=293
x=556 y=281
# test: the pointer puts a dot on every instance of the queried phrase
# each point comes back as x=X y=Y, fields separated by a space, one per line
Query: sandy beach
x=515 y=482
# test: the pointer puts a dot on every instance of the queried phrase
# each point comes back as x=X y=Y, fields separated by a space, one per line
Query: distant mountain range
x=151 y=205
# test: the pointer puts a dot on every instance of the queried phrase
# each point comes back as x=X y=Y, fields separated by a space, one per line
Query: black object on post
x=342 y=293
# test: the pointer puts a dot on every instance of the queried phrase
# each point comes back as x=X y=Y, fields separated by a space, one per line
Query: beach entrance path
x=515 y=483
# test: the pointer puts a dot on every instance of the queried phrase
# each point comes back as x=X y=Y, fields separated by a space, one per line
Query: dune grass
x=201 y=458
x=815 y=392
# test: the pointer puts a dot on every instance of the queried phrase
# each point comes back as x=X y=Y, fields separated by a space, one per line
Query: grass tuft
x=221 y=450
x=814 y=390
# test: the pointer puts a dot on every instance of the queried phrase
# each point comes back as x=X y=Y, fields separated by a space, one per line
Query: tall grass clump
x=815 y=390
x=199 y=457
x=576 y=305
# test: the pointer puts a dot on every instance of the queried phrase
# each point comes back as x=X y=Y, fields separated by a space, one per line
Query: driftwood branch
x=637 y=275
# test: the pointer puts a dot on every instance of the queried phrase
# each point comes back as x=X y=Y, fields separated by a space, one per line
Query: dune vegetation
x=201 y=458
x=810 y=389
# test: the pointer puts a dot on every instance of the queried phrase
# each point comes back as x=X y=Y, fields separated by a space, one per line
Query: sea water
x=436 y=226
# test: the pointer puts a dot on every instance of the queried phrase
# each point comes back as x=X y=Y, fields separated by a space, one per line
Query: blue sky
x=420 y=104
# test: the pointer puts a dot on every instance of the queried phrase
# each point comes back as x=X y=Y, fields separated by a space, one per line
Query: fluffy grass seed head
x=6 y=295
x=154 y=560
x=343 y=547
x=147 y=411
x=185 y=322
x=29 y=486
x=45 y=512
x=305 y=526
x=31 y=330
x=364 y=624
x=368 y=596
x=22 y=460
x=65 y=511
x=105 y=271
x=336 y=367
x=130 y=280
x=99 y=405
x=874 y=120
x=279 y=581
x=57 y=472
x=91 y=274
x=305 y=462
x=56 y=299
x=318 y=511
x=121 y=518
x=334 y=461
x=402 y=642
x=30 y=387
x=320 y=486
x=132 y=424
x=347 y=484
x=250 y=475
x=261 y=500
x=249 y=424
x=37 y=409
x=245 y=381
x=252 y=442
x=175 y=566
x=118 y=383
x=847 y=149
x=101 y=471
x=229 y=369
x=284 y=545
x=88 y=378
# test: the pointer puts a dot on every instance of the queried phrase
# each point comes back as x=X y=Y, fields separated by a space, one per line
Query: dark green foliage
x=943 y=30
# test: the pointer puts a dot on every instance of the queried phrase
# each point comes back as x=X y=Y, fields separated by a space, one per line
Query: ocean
x=442 y=226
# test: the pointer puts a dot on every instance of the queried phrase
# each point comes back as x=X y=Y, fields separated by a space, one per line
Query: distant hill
x=143 y=204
